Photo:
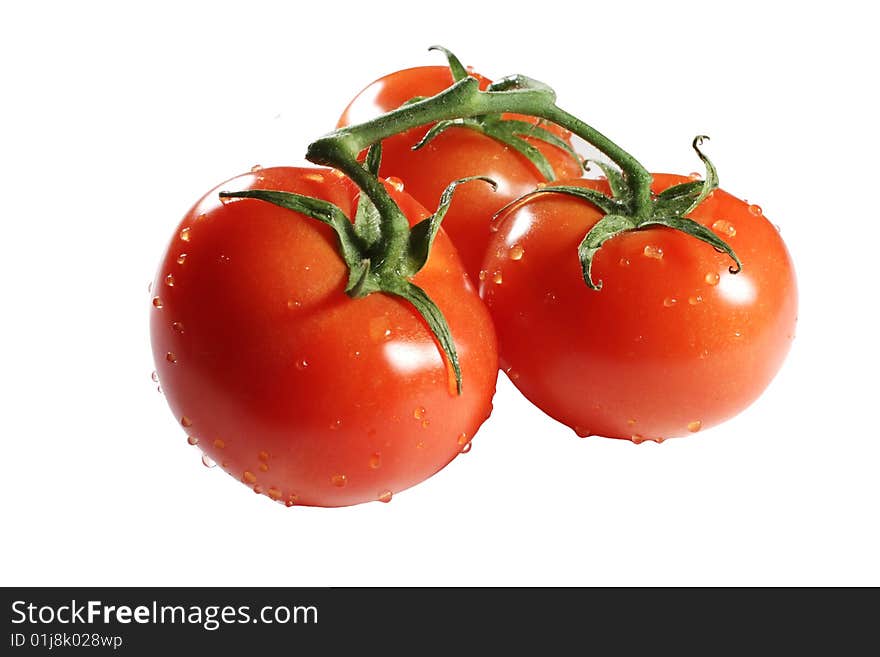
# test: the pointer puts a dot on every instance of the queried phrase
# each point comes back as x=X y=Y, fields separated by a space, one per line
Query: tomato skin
x=454 y=154
x=673 y=343
x=304 y=394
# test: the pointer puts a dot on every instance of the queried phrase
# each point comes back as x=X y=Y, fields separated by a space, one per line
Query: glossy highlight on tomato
x=671 y=344
x=299 y=391
x=454 y=154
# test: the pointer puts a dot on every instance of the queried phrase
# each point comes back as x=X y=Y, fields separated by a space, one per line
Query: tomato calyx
x=510 y=132
x=369 y=246
x=623 y=214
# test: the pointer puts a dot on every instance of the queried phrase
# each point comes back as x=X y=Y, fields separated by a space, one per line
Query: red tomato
x=454 y=154
x=303 y=393
x=673 y=342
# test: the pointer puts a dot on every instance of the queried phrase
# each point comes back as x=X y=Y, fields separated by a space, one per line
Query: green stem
x=464 y=100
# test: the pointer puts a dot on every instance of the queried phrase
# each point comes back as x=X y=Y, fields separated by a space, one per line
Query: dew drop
x=149 y=287
x=192 y=440
x=462 y=439
x=694 y=426
x=755 y=210
x=624 y=262
x=177 y=327
x=169 y=280
x=724 y=227
x=157 y=302
x=185 y=421
x=220 y=443
x=263 y=467
x=516 y=252
x=396 y=183
x=223 y=259
x=694 y=300
x=274 y=493
x=737 y=334
x=207 y=461
x=159 y=390
x=631 y=421
x=425 y=423
x=376 y=461
x=337 y=173
x=694 y=175
x=419 y=413
x=256 y=168
x=581 y=432
x=249 y=477
x=654 y=252
x=466 y=448
x=263 y=456
x=420 y=444
x=184 y=234
x=541 y=185
x=171 y=358
x=155 y=376
x=497 y=278
x=385 y=496
x=258 y=489
x=712 y=278
x=380 y=329
x=339 y=480
x=483 y=274
x=334 y=426
x=637 y=438
x=291 y=499
x=668 y=302
x=302 y=364
x=181 y=258
x=293 y=304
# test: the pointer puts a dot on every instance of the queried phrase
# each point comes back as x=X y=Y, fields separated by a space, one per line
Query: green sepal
x=459 y=72
x=536 y=131
x=367 y=220
x=677 y=200
x=522 y=83
x=438 y=128
x=603 y=202
x=422 y=235
x=711 y=182
x=697 y=230
x=350 y=244
x=433 y=318
x=616 y=181
x=607 y=227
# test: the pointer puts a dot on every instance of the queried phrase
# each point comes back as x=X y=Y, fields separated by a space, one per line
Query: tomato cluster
x=313 y=395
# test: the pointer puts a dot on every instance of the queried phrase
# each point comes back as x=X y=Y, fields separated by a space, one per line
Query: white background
x=116 y=117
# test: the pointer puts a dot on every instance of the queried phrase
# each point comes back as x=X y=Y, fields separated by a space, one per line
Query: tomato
x=301 y=392
x=454 y=154
x=672 y=343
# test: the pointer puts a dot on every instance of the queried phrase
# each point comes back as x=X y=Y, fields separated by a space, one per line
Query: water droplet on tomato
x=207 y=461
x=631 y=421
x=159 y=390
x=637 y=438
x=385 y=496
x=694 y=426
x=396 y=183
x=425 y=423
x=223 y=259
x=376 y=461
x=302 y=364
x=185 y=421
x=694 y=300
x=293 y=304
x=155 y=376
x=334 y=426
x=263 y=456
x=181 y=258
x=654 y=252
x=185 y=234
x=258 y=489
x=256 y=168
x=157 y=302
x=420 y=444
x=466 y=448
x=755 y=210
x=380 y=329
x=263 y=467
x=497 y=277
x=737 y=334
x=581 y=432
x=516 y=252
x=177 y=327
x=249 y=477
x=339 y=480
x=712 y=278
x=462 y=438
x=693 y=175
x=171 y=358
x=623 y=262
x=192 y=440
x=512 y=374
x=219 y=443
x=668 y=302
x=291 y=500
x=419 y=412
x=169 y=280
x=274 y=493
x=724 y=227
x=337 y=173
x=483 y=274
